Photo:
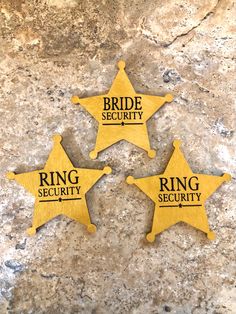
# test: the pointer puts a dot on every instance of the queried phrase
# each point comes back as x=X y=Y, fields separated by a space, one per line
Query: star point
x=11 y=175
x=169 y=98
x=107 y=170
x=121 y=65
x=75 y=100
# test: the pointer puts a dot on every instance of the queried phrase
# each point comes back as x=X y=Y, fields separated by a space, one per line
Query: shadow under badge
x=59 y=188
x=122 y=114
x=179 y=195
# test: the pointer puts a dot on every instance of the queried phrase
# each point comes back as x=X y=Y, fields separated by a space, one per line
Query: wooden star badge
x=122 y=114
x=179 y=195
x=59 y=188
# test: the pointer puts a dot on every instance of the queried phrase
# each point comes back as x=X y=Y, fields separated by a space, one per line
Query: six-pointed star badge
x=59 y=188
x=122 y=114
x=179 y=195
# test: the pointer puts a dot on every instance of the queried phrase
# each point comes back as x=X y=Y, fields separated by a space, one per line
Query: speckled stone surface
x=52 y=49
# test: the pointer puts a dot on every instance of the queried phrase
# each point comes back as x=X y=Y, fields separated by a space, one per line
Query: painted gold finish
x=179 y=195
x=59 y=188
x=122 y=114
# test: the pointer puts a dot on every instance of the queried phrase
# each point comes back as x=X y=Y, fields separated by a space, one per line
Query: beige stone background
x=52 y=49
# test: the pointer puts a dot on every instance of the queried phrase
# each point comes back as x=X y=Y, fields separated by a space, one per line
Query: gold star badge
x=59 y=188
x=122 y=114
x=179 y=195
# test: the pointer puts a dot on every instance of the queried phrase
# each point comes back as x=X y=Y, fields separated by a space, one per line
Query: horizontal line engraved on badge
x=61 y=199
x=181 y=205
x=123 y=123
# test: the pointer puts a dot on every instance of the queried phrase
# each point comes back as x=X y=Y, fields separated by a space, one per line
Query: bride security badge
x=122 y=114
